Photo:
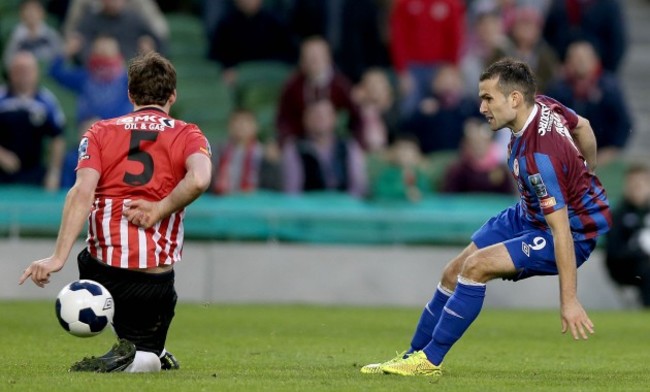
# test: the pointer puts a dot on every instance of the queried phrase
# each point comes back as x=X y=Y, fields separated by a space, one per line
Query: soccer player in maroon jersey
x=551 y=230
x=135 y=176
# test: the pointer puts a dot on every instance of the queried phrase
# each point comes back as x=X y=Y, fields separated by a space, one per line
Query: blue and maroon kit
x=550 y=173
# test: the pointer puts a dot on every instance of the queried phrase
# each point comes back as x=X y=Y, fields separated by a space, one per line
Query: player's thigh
x=144 y=303
x=488 y=263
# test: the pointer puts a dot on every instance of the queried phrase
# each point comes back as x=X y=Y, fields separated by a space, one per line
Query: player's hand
x=575 y=318
x=142 y=213
x=9 y=162
x=40 y=271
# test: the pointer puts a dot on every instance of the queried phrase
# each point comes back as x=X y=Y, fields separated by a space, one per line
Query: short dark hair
x=513 y=75
x=152 y=79
x=24 y=3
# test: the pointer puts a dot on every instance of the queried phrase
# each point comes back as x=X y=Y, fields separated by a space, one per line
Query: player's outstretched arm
x=197 y=179
x=585 y=139
x=75 y=212
x=574 y=317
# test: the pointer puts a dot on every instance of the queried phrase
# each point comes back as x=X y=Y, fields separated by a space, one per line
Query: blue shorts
x=531 y=249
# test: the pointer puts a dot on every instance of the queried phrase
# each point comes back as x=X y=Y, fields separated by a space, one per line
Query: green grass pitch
x=310 y=348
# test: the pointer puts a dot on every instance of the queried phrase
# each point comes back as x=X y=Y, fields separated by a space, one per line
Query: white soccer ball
x=84 y=308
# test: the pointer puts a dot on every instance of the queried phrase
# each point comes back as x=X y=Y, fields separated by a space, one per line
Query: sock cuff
x=443 y=290
x=469 y=282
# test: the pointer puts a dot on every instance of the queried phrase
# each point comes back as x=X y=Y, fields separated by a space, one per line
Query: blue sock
x=429 y=319
x=461 y=310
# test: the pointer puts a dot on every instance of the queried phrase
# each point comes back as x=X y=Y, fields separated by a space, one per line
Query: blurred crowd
x=381 y=101
x=374 y=98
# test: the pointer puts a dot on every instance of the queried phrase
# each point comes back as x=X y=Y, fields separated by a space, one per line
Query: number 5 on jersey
x=138 y=155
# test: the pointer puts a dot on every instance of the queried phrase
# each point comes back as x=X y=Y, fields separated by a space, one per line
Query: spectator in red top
x=315 y=80
x=423 y=33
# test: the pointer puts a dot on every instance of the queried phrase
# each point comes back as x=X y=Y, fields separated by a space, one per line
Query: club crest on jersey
x=537 y=183
x=515 y=167
x=82 y=152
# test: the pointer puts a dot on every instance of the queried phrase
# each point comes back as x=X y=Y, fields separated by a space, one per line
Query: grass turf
x=306 y=348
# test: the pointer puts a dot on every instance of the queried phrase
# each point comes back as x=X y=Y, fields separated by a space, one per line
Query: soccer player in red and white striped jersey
x=135 y=176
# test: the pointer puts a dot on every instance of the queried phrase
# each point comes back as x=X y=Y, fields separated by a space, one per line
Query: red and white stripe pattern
x=118 y=243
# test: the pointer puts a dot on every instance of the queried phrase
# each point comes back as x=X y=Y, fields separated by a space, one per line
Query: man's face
x=581 y=60
x=113 y=7
x=637 y=189
x=23 y=73
x=315 y=58
x=497 y=108
x=249 y=7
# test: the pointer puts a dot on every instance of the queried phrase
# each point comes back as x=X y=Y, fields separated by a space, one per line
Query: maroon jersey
x=551 y=173
x=141 y=155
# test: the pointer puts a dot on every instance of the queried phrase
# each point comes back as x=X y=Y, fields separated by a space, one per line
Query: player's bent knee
x=449 y=279
x=474 y=269
x=144 y=362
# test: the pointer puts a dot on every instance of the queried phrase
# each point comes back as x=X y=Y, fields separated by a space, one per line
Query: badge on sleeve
x=207 y=149
x=538 y=185
x=83 y=149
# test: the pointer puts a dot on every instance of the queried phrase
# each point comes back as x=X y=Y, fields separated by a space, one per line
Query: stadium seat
x=436 y=165
x=260 y=83
x=612 y=177
x=187 y=36
x=258 y=88
x=202 y=98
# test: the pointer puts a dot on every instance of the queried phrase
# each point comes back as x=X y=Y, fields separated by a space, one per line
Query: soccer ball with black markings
x=84 y=308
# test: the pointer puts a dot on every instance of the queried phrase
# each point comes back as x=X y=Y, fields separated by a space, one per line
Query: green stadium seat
x=259 y=83
x=612 y=176
x=187 y=36
x=436 y=165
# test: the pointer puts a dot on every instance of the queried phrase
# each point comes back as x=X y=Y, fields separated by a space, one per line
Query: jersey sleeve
x=89 y=151
x=548 y=183
x=196 y=142
x=569 y=115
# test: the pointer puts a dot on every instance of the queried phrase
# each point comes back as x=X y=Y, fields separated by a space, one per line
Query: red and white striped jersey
x=141 y=155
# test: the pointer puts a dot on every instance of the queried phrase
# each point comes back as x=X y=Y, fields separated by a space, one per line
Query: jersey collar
x=531 y=116
x=149 y=108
